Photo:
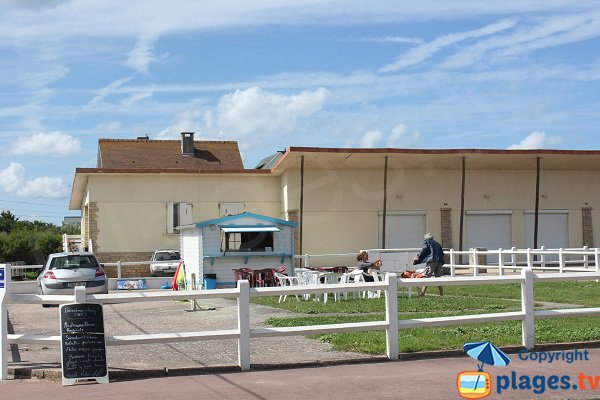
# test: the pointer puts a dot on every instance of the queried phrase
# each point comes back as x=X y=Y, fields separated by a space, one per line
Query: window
x=178 y=214
x=166 y=255
x=74 y=262
x=247 y=239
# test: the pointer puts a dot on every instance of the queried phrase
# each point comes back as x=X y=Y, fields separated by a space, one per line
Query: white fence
x=561 y=260
x=244 y=331
x=469 y=261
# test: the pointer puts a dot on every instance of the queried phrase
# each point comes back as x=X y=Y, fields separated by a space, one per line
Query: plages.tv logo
x=478 y=384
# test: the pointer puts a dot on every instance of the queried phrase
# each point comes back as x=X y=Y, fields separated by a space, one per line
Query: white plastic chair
x=329 y=278
x=310 y=278
x=285 y=280
x=377 y=277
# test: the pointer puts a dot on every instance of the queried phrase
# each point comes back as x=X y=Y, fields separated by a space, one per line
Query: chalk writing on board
x=83 y=344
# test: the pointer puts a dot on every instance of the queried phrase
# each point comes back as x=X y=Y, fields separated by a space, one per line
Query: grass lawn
x=457 y=301
x=584 y=293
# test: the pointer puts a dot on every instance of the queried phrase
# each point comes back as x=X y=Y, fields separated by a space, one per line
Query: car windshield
x=166 y=255
x=74 y=261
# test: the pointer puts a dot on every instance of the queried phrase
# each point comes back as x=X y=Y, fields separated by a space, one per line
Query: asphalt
x=415 y=379
x=162 y=317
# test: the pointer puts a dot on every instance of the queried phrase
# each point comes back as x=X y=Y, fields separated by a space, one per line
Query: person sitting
x=432 y=255
x=366 y=266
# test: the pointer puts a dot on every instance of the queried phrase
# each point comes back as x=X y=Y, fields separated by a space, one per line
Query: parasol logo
x=478 y=384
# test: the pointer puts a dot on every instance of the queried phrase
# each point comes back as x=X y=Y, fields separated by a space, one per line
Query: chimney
x=187 y=143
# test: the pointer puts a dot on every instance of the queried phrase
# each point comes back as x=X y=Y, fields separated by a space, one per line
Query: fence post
x=119 y=269
x=475 y=261
x=244 y=325
x=529 y=260
x=500 y=262
x=596 y=261
x=80 y=294
x=513 y=258
x=391 y=316
x=306 y=261
x=586 y=259
x=543 y=257
x=527 y=325
x=193 y=302
x=5 y=278
x=561 y=260
x=452 y=272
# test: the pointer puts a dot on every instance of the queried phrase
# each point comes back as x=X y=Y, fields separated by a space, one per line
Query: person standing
x=432 y=255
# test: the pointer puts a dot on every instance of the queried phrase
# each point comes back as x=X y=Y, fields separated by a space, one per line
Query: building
x=246 y=240
x=341 y=197
x=76 y=221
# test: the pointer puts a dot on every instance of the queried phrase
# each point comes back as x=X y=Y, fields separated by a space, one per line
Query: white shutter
x=170 y=218
x=185 y=214
x=553 y=230
x=489 y=230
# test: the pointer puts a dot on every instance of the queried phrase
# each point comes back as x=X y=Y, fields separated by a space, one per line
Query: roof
x=331 y=159
x=229 y=218
x=269 y=161
x=318 y=158
x=143 y=154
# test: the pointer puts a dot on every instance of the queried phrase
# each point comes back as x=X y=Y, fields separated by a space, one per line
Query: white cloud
x=109 y=126
x=40 y=79
x=12 y=178
x=52 y=144
x=401 y=136
x=370 y=139
x=185 y=121
x=548 y=32
x=536 y=140
x=141 y=56
x=12 y=181
x=45 y=187
x=256 y=112
x=394 y=39
x=421 y=53
x=108 y=90
x=55 y=20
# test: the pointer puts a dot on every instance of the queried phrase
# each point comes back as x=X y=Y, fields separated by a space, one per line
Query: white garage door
x=402 y=229
x=489 y=230
x=553 y=229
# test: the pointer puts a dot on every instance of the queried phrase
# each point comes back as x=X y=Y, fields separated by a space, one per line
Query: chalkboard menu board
x=83 y=349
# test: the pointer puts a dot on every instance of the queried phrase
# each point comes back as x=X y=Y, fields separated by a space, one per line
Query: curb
x=55 y=374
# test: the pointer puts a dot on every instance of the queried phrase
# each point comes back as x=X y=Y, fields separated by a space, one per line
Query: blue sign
x=1 y=278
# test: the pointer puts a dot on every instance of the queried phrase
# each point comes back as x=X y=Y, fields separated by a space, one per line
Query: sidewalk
x=417 y=379
x=169 y=316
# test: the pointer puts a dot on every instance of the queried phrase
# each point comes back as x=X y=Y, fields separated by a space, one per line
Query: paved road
x=169 y=316
x=418 y=379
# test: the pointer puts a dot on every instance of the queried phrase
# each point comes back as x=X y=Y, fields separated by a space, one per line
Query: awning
x=237 y=229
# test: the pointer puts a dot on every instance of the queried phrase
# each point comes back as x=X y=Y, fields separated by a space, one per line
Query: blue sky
x=272 y=74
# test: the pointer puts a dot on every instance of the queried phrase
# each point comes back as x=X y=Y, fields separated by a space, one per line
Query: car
x=164 y=262
x=64 y=271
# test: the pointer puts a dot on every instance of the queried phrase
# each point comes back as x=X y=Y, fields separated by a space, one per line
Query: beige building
x=143 y=189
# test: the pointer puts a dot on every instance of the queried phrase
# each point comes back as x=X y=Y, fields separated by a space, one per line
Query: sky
x=273 y=74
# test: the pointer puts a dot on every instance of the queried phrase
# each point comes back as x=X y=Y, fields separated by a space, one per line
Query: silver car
x=64 y=271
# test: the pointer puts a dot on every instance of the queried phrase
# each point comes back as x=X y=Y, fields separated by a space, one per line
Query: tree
x=30 y=241
x=7 y=221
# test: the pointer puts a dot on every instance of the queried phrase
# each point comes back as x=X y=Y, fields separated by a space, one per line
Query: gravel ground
x=163 y=317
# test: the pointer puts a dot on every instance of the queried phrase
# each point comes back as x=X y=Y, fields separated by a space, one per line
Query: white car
x=64 y=271
x=164 y=262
